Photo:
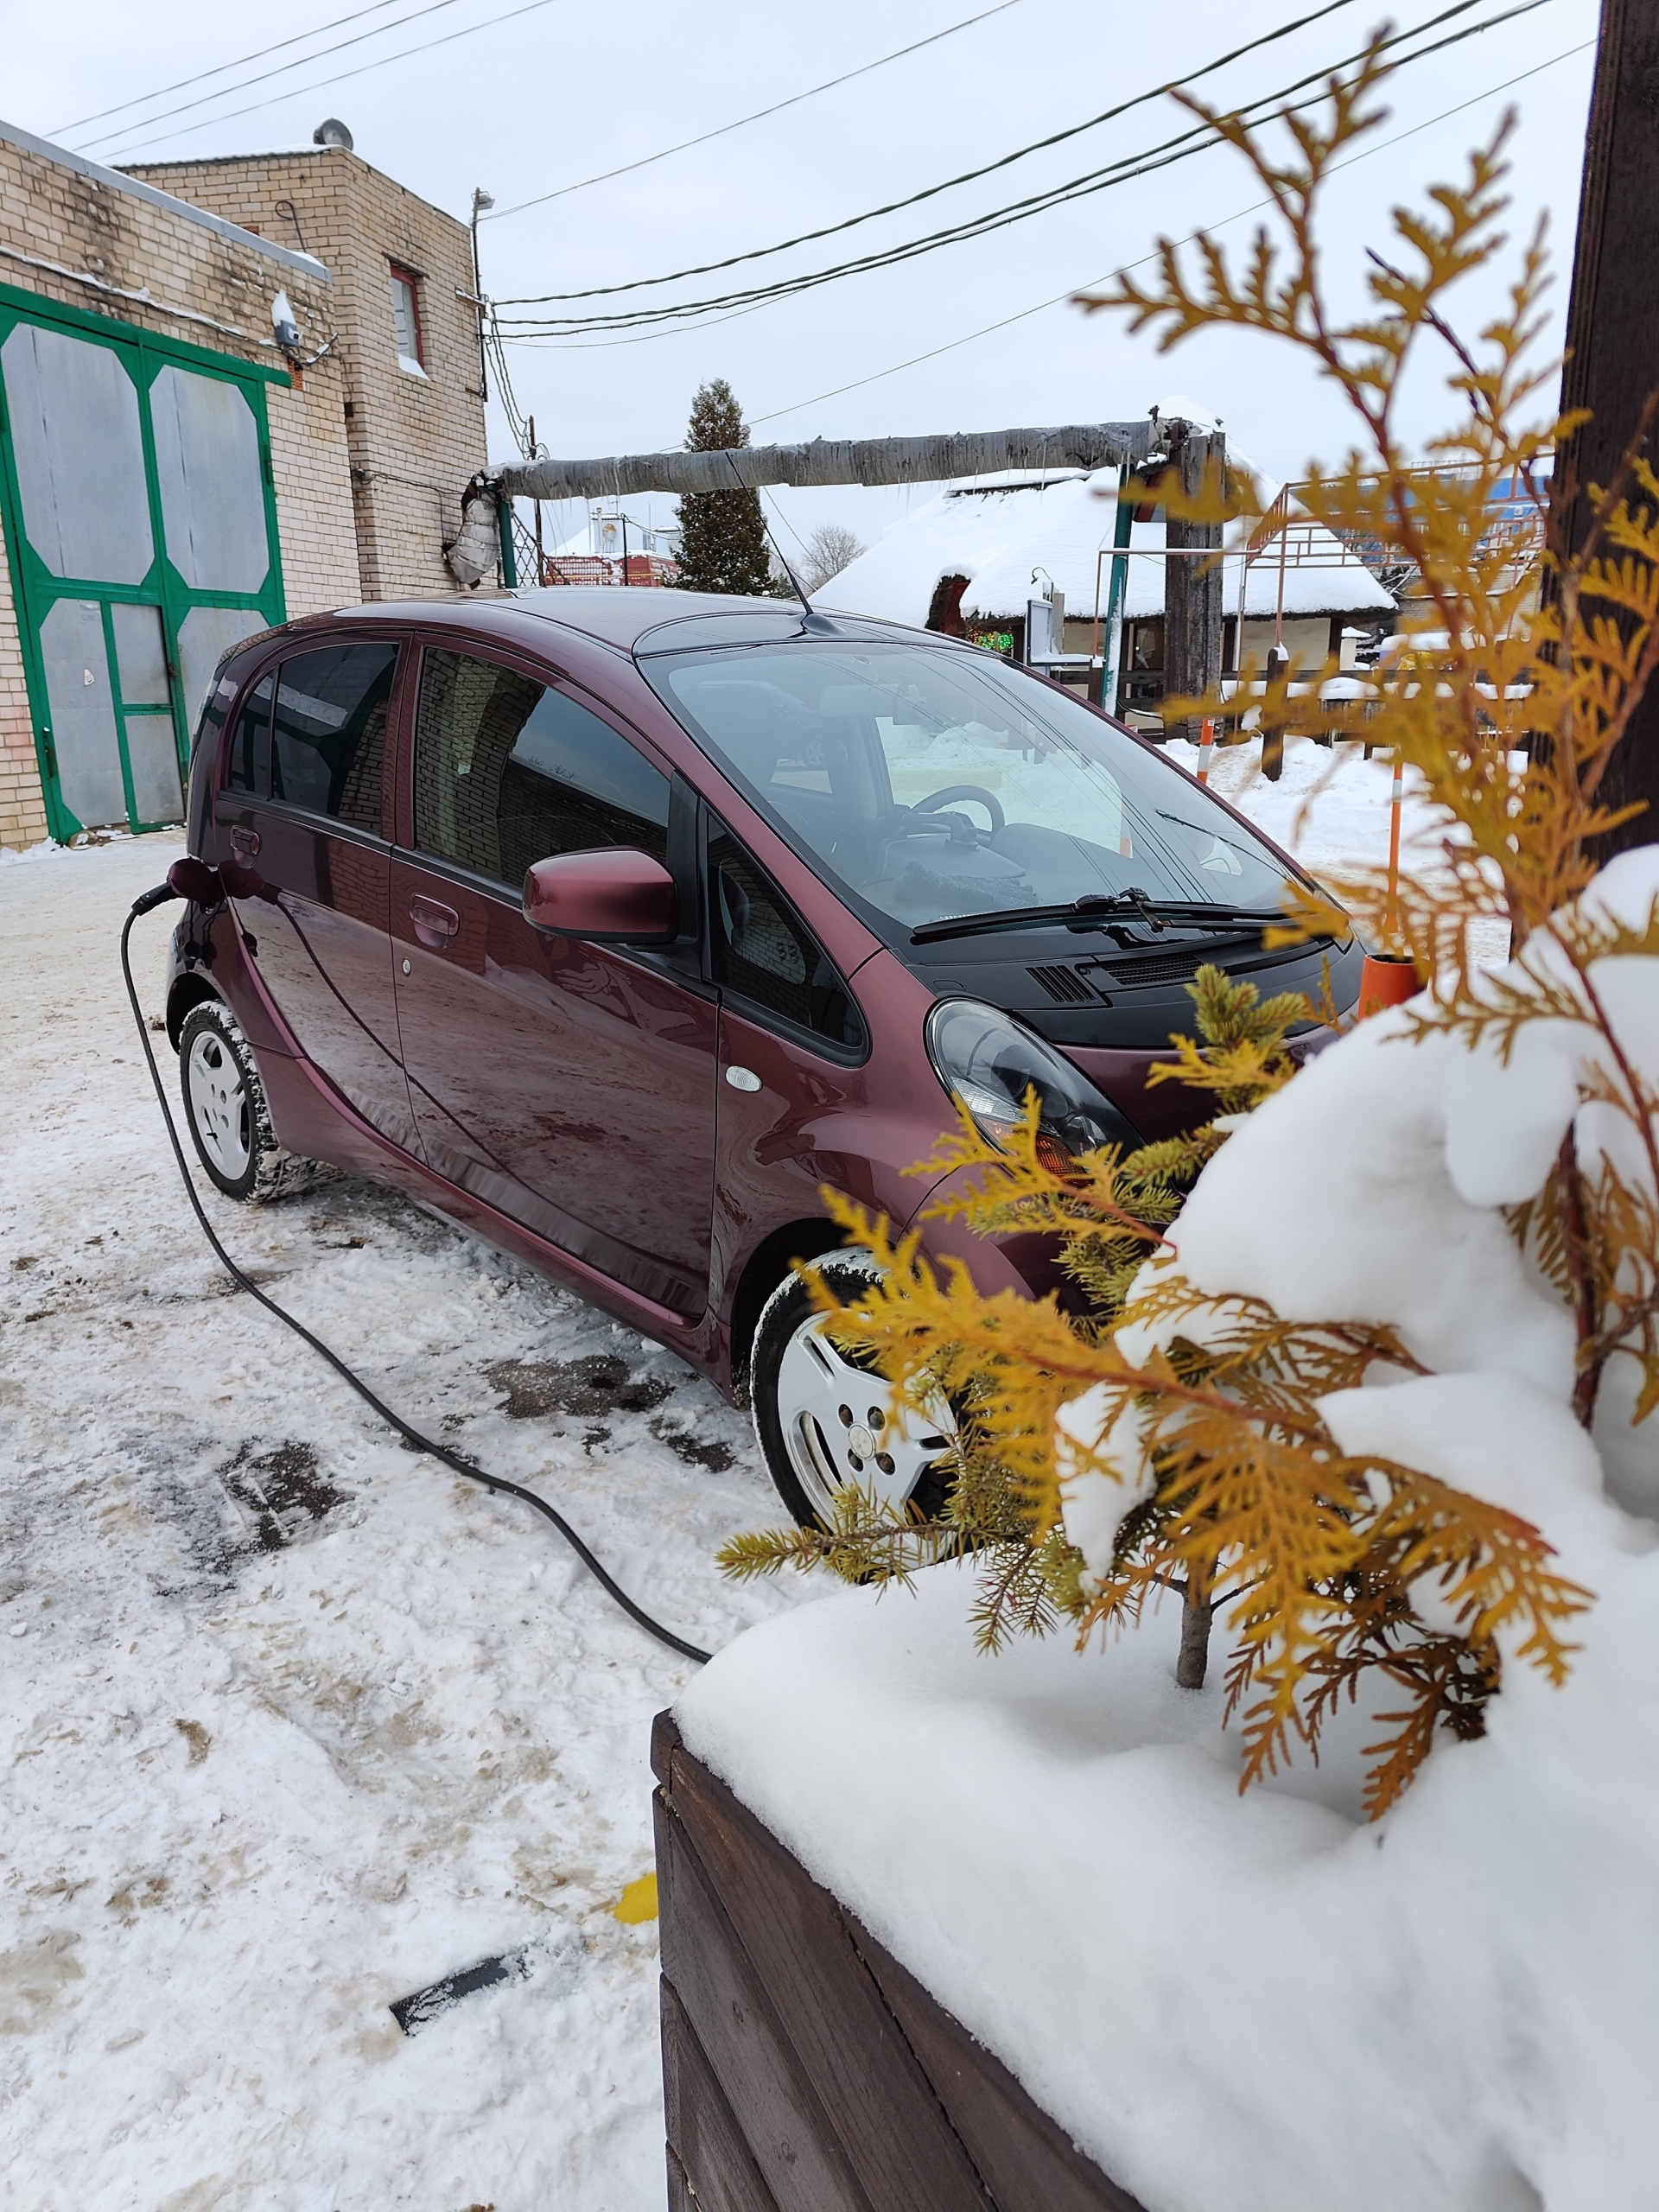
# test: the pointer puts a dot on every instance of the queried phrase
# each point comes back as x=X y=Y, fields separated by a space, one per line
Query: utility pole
x=541 y=565
x=1612 y=338
x=1193 y=615
x=481 y=199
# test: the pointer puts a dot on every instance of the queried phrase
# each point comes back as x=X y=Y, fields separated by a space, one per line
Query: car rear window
x=312 y=733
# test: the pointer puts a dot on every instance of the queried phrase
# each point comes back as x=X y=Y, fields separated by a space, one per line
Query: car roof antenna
x=771 y=538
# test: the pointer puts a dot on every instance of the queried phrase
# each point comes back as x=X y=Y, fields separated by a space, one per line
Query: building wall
x=415 y=440
x=78 y=236
x=23 y=809
x=1307 y=638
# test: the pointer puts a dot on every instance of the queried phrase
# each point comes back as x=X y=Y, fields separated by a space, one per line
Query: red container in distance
x=1385 y=980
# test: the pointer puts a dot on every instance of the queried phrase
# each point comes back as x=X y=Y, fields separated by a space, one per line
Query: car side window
x=313 y=733
x=508 y=772
x=249 y=768
x=765 y=954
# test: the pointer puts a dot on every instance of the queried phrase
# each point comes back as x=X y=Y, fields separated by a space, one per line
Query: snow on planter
x=1263 y=2002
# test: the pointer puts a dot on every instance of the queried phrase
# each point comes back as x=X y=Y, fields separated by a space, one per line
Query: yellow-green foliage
x=1207 y=1407
x=1463 y=709
x=1253 y=1503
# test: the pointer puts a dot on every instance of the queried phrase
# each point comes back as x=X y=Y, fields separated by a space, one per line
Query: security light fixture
x=284 y=323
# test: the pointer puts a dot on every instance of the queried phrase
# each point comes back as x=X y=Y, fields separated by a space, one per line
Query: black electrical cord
x=410 y=1435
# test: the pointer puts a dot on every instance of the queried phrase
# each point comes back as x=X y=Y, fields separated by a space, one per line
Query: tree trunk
x=1197 y=1605
x=1612 y=337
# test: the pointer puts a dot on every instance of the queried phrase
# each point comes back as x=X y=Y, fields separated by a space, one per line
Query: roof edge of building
x=116 y=180
x=135 y=169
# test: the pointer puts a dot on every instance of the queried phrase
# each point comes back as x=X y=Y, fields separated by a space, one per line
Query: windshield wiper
x=1097 y=912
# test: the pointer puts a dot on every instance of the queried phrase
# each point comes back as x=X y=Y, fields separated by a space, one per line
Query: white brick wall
x=414 y=440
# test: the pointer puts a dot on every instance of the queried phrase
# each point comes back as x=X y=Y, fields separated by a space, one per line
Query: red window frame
x=400 y=272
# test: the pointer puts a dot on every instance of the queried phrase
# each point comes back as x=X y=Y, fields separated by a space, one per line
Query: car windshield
x=934 y=783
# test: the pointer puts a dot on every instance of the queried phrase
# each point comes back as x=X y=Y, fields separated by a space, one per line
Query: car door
x=568 y=1085
x=301 y=825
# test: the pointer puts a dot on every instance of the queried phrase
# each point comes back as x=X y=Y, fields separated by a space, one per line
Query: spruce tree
x=722 y=537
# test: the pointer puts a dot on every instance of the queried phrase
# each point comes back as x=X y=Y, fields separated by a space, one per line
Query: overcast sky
x=542 y=97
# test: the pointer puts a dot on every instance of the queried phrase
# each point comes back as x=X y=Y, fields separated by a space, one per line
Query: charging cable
x=189 y=888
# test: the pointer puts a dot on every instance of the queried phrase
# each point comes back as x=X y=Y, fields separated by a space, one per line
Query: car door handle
x=433 y=925
x=244 y=840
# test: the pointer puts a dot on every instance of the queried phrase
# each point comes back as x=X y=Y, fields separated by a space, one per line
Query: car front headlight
x=988 y=1063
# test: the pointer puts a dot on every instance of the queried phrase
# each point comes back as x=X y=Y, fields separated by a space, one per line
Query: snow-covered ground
x=1330 y=808
x=292 y=1723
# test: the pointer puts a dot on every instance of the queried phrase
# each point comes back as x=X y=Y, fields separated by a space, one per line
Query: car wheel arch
x=765 y=1268
x=188 y=991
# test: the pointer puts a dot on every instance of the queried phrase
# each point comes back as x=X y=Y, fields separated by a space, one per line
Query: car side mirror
x=617 y=895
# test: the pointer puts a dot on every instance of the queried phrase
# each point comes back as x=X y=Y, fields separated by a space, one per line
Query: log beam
x=833 y=460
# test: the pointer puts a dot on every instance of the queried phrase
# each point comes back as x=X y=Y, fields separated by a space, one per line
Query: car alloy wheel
x=219 y=1116
x=825 y=1419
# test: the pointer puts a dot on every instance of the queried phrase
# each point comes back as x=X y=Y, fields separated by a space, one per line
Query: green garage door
x=141 y=529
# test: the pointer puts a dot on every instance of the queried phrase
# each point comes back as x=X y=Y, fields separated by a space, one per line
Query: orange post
x=1389 y=978
x=1206 y=749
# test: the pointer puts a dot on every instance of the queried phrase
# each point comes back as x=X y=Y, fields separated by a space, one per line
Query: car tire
x=823 y=1419
x=225 y=1107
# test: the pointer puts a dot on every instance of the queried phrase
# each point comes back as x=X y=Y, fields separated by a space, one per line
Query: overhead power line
x=223 y=69
x=829 y=84
x=950 y=184
x=322 y=84
x=1071 y=291
x=1181 y=148
x=226 y=91
x=1023 y=314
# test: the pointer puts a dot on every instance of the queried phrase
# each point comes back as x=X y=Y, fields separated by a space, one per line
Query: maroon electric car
x=618 y=923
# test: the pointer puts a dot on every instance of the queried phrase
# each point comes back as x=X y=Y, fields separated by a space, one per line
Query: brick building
x=170 y=481
x=412 y=394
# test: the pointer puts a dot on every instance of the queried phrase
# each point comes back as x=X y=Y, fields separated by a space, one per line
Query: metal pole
x=508 y=553
x=481 y=199
x=1112 y=644
x=541 y=565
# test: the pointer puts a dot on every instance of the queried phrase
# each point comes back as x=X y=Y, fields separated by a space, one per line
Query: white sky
x=566 y=90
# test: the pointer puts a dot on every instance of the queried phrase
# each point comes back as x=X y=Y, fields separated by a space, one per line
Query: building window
x=406 y=318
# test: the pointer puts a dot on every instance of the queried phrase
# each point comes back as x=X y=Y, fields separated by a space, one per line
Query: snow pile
x=1264 y=2002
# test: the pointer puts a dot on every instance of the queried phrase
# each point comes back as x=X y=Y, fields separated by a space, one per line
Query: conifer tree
x=722 y=537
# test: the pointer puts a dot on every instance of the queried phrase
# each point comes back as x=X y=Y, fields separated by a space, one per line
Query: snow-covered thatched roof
x=997 y=537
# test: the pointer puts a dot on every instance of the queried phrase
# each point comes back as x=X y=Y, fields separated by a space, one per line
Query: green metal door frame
x=36 y=588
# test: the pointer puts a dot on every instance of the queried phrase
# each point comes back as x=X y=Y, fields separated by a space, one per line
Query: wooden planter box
x=804 y=2069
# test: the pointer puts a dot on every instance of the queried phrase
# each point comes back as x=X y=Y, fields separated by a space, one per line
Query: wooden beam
x=833 y=460
x=1613 y=336
x=1192 y=613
